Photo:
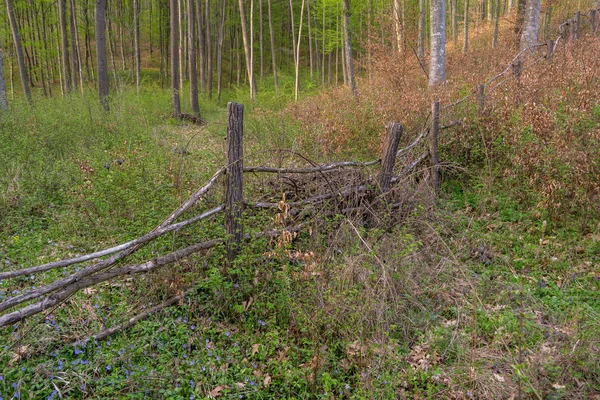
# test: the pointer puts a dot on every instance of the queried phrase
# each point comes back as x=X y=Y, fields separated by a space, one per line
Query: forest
x=300 y=199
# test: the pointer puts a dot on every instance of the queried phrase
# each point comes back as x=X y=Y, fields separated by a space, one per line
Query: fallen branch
x=411 y=166
x=132 y=321
x=141 y=240
x=320 y=168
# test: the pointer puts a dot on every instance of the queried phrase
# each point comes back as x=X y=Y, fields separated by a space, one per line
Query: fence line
x=56 y=292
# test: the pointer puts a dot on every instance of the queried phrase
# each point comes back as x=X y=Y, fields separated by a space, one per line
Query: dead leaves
x=216 y=392
x=18 y=355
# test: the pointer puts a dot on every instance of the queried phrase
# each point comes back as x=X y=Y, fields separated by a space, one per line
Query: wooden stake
x=388 y=157
x=234 y=192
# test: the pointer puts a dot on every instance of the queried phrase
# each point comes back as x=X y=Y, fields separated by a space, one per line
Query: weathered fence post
x=577 y=24
x=593 y=20
x=481 y=98
x=388 y=157
x=433 y=144
x=234 y=192
x=573 y=29
x=565 y=31
x=550 y=50
x=517 y=66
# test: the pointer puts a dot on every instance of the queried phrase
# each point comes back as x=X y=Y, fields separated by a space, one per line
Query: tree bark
x=101 y=60
x=247 y=45
x=421 y=38
x=466 y=27
x=136 y=44
x=397 y=17
x=174 y=22
x=532 y=22
x=209 y=68
x=76 y=47
x=193 y=58
x=297 y=85
x=19 y=50
x=455 y=23
x=220 y=49
x=496 y=24
x=348 y=48
x=437 y=68
x=64 y=46
x=273 y=54
x=3 y=100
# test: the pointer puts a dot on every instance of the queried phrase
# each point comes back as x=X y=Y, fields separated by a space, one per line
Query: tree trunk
x=273 y=54
x=521 y=5
x=201 y=46
x=397 y=17
x=421 y=44
x=193 y=59
x=209 y=69
x=293 y=29
x=76 y=47
x=19 y=50
x=455 y=23
x=532 y=22
x=247 y=45
x=220 y=49
x=3 y=100
x=496 y=24
x=136 y=44
x=174 y=23
x=466 y=25
x=310 y=44
x=101 y=60
x=64 y=46
x=261 y=42
x=297 y=85
x=437 y=68
x=348 y=48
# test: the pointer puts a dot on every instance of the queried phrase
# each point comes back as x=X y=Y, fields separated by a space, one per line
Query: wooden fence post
x=433 y=144
x=573 y=29
x=565 y=32
x=593 y=20
x=481 y=98
x=388 y=157
x=550 y=53
x=517 y=65
x=234 y=192
x=577 y=24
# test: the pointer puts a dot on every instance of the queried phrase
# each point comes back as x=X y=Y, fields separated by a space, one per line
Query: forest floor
x=490 y=290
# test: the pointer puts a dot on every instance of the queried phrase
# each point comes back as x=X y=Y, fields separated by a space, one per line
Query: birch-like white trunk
x=437 y=67
x=532 y=23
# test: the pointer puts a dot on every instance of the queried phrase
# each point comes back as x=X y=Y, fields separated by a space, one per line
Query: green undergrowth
x=490 y=290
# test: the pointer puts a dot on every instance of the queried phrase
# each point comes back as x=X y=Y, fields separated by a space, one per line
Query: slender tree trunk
x=220 y=49
x=64 y=45
x=455 y=23
x=532 y=23
x=19 y=50
x=273 y=54
x=437 y=68
x=261 y=42
x=193 y=59
x=397 y=17
x=181 y=45
x=202 y=43
x=101 y=60
x=293 y=29
x=323 y=48
x=3 y=100
x=348 y=48
x=76 y=46
x=521 y=6
x=136 y=44
x=310 y=44
x=421 y=44
x=247 y=45
x=297 y=85
x=496 y=24
x=209 y=69
x=174 y=23
x=466 y=27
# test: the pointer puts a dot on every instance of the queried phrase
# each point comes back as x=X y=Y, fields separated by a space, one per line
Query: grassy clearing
x=490 y=291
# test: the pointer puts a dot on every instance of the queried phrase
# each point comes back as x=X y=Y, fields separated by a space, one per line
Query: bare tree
x=421 y=39
x=273 y=56
x=466 y=25
x=64 y=46
x=532 y=23
x=136 y=43
x=348 y=48
x=175 y=58
x=397 y=17
x=437 y=68
x=101 y=59
x=19 y=50
x=297 y=58
x=220 y=48
x=3 y=100
x=193 y=58
x=247 y=50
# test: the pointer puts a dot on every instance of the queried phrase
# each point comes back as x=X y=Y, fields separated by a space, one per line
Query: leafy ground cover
x=490 y=290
